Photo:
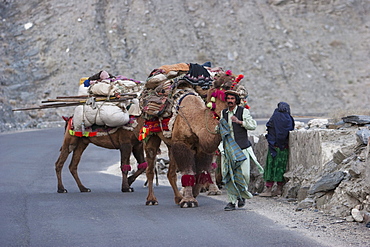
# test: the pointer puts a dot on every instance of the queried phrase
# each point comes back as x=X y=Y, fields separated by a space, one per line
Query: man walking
x=236 y=150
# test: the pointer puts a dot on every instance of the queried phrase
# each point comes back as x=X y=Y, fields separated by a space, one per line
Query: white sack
x=134 y=108
x=113 y=116
x=78 y=118
x=82 y=90
x=105 y=114
x=127 y=83
x=103 y=88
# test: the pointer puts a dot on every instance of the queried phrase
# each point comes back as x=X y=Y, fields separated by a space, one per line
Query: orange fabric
x=175 y=67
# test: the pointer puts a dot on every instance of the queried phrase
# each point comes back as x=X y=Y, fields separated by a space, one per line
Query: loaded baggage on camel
x=103 y=102
x=167 y=85
x=107 y=113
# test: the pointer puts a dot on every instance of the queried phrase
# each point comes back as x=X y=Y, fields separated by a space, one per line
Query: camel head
x=67 y=122
x=224 y=80
x=216 y=96
x=216 y=101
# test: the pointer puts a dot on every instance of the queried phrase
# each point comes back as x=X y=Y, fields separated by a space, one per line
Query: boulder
x=356 y=214
x=327 y=182
x=357 y=119
x=306 y=203
x=363 y=135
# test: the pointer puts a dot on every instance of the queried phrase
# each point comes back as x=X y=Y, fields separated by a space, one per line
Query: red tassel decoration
x=214 y=165
x=239 y=78
x=187 y=180
x=219 y=94
x=142 y=166
x=126 y=168
x=204 y=178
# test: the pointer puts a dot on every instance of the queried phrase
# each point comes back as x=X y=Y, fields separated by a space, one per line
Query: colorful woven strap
x=82 y=134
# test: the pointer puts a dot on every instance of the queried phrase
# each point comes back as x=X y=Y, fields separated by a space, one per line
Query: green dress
x=278 y=127
x=276 y=166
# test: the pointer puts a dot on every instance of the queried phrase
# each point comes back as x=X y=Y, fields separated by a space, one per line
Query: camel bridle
x=206 y=118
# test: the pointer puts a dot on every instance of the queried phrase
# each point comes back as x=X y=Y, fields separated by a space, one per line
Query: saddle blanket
x=154 y=124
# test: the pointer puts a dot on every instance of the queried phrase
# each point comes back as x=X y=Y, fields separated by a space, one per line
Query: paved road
x=33 y=214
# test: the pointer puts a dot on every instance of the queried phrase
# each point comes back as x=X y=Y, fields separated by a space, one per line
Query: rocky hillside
x=311 y=54
x=328 y=169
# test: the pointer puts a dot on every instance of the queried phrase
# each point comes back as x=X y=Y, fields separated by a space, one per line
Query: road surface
x=32 y=213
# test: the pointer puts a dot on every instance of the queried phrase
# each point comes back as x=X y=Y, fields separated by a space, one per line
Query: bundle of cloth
x=106 y=113
x=102 y=114
x=103 y=83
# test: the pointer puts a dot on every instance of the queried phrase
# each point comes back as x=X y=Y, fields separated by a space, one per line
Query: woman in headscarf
x=278 y=127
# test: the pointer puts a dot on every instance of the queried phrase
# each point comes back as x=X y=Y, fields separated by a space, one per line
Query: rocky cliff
x=312 y=54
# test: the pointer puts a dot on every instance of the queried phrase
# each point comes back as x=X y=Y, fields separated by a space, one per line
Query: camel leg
x=213 y=188
x=58 y=169
x=203 y=165
x=125 y=150
x=76 y=157
x=184 y=157
x=138 y=152
x=69 y=144
x=172 y=178
x=151 y=149
x=155 y=173
x=218 y=173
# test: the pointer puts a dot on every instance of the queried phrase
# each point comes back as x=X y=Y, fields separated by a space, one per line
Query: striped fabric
x=232 y=173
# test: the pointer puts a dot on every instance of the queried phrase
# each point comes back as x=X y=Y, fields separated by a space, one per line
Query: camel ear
x=66 y=118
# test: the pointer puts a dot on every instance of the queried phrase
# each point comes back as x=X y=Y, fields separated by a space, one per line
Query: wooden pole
x=48 y=106
x=75 y=102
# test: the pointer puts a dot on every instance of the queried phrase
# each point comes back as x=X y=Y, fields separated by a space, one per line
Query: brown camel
x=191 y=148
x=124 y=140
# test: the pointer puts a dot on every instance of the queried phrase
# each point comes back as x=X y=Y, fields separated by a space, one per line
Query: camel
x=191 y=147
x=124 y=140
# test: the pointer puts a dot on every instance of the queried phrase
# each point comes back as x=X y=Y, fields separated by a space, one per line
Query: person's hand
x=236 y=120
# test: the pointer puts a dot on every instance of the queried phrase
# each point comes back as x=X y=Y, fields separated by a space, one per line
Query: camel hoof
x=127 y=189
x=151 y=203
x=214 y=193
x=178 y=200
x=189 y=204
x=85 y=190
x=62 y=191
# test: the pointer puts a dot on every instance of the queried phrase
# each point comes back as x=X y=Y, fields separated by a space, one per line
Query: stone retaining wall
x=328 y=169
